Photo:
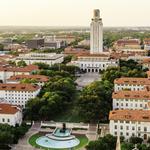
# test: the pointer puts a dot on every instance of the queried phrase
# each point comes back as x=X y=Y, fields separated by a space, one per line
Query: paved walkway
x=92 y=132
x=23 y=143
x=87 y=78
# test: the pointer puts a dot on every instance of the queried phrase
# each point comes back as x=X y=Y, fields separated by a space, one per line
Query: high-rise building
x=96 y=60
x=96 y=37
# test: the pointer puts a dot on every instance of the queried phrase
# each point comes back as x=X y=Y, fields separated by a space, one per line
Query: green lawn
x=83 y=142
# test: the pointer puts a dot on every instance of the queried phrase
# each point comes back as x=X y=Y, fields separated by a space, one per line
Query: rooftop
x=146 y=61
x=132 y=81
x=8 y=109
x=130 y=115
x=145 y=95
x=39 y=56
x=128 y=42
x=18 y=87
x=28 y=68
x=147 y=41
x=39 y=78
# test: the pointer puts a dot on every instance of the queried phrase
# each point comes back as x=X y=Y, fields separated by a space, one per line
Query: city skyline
x=73 y=12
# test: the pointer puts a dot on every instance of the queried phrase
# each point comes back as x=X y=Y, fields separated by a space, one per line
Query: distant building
x=146 y=63
x=50 y=42
x=52 y=45
x=48 y=58
x=40 y=79
x=7 y=71
x=10 y=114
x=130 y=123
x=18 y=94
x=17 y=47
x=75 y=51
x=36 y=43
x=6 y=42
x=127 y=44
x=65 y=38
x=146 y=44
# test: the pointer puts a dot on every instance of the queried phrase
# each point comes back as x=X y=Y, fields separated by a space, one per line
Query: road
x=86 y=79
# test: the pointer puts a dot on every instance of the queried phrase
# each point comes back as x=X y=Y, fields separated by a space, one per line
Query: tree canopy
x=54 y=97
x=94 y=101
x=21 y=63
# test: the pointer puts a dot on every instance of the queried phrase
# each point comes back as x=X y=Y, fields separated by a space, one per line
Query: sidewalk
x=23 y=143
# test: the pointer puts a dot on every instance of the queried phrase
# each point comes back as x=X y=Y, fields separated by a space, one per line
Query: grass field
x=83 y=142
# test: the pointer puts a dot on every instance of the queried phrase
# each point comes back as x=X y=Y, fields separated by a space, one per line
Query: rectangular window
x=139 y=128
x=121 y=127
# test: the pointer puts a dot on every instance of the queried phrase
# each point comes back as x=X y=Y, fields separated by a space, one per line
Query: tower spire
x=118 y=146
x=96 y=13
x=96 y=34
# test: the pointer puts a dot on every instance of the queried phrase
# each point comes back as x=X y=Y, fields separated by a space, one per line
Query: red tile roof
x=147 y=41
x=146 y=61
x=144 y=95
x=124 y=42
x=18 y=87
x=130 y=115
x=93 y=55
x=38 y=78
x=132 y=81
x=28 y=68
x=8 y=109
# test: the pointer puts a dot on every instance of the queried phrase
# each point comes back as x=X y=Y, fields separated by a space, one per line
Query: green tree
x=42 y=65
x=28 y=81
x=1 y=47
x=21 y=63
x=136 y=140
x=10 y=135
x=94 y=102
x=107 y=142
x=67 y=59
x=54 y=97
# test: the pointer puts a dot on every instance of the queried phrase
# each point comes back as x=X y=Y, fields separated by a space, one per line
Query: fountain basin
x=51 y=136
x=57 y=132
x=60 y=144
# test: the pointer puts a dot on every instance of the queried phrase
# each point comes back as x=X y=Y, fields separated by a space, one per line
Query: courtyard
x=86 y=79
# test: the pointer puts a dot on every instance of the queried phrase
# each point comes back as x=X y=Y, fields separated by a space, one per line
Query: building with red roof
x=10 y=114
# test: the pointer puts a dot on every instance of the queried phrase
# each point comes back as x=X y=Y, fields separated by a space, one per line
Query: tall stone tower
x=96 y=34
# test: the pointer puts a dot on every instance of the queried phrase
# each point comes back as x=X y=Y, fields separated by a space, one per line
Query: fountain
x=60 y=138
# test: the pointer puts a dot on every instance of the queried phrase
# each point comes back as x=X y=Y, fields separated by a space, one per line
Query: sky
x=74 y=12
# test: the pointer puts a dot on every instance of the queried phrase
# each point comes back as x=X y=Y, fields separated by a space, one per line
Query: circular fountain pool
x=51 y=143
x=61 y=138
